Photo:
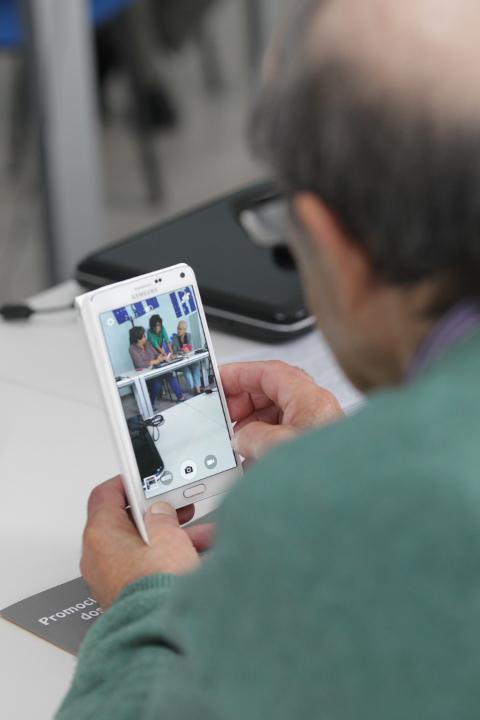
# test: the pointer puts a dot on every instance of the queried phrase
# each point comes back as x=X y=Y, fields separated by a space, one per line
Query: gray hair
x=403 y=185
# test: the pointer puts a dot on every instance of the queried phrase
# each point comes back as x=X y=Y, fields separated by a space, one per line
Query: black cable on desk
x=21 y=311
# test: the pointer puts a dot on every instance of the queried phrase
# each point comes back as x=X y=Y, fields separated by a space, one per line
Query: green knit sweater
x=345 y=583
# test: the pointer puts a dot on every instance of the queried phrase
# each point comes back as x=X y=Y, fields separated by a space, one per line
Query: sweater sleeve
x=209 y=644
x=343 y=584
x=122 y=655
x=157 y=651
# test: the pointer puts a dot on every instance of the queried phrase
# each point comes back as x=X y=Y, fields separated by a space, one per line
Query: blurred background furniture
x=125 y=35
x=173 y=108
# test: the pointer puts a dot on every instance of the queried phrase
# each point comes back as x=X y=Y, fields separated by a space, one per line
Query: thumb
x=253 y=440
x=160 y=515
x=169 y=541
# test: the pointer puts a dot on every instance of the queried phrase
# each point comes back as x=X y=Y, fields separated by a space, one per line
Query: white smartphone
x=154 y=359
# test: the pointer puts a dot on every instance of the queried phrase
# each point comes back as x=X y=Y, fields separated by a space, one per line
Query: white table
x=54 y=448
x=138 y=379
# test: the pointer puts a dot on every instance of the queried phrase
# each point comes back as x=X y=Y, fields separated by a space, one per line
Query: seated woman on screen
x=182 y=342
x=157 y=335
x=145 y=356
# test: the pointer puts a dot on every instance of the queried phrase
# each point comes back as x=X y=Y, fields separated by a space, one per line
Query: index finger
x=242 y=386
x=109 y=494
x=261 y=376
x=251 y=386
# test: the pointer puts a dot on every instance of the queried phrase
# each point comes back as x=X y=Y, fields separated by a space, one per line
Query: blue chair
x=11 y=27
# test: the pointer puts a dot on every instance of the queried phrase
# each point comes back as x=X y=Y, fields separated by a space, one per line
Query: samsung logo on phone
x=143 y=294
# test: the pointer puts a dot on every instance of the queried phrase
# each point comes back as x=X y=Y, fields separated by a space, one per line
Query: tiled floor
x=204 y=156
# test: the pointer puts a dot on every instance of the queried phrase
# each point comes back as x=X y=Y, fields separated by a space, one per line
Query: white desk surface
x=55 y=447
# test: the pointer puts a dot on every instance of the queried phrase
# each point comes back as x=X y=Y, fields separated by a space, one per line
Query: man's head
x=370 y=119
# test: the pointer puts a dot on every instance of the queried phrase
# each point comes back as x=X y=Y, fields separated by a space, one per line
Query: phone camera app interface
x=168 y=391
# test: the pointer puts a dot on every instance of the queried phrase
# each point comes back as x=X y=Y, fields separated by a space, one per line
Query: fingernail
x=161 y=508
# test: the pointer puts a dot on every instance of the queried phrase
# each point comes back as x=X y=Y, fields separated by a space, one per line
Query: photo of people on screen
x=182 y=343
x=168 y=391
x=144 y=356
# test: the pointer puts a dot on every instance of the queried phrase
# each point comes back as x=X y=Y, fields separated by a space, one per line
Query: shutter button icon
x=188 y=470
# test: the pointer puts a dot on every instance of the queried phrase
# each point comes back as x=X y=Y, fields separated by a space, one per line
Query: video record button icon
x=210 y=462
x=188 y=470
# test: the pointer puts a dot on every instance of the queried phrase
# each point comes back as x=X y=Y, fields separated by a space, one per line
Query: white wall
x=117 y=338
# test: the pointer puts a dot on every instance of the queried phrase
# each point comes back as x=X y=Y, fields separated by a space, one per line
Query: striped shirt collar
x=461 y=321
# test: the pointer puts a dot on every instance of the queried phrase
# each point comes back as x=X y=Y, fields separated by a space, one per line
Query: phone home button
x=195 y=490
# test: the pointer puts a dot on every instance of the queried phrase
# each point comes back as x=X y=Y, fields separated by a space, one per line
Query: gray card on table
x=62 y=615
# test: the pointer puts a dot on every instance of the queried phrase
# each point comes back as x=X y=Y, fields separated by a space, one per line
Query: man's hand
x=114 y=555
x=272 y=402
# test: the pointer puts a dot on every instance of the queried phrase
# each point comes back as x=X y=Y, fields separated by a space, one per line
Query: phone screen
x=168 y=390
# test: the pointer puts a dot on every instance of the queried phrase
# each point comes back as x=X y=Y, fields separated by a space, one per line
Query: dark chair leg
x=130 y=51
x=209 y=60
x=168 y=389
x=20 y=117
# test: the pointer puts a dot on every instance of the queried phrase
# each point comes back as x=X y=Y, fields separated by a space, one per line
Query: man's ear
x=344 y=261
